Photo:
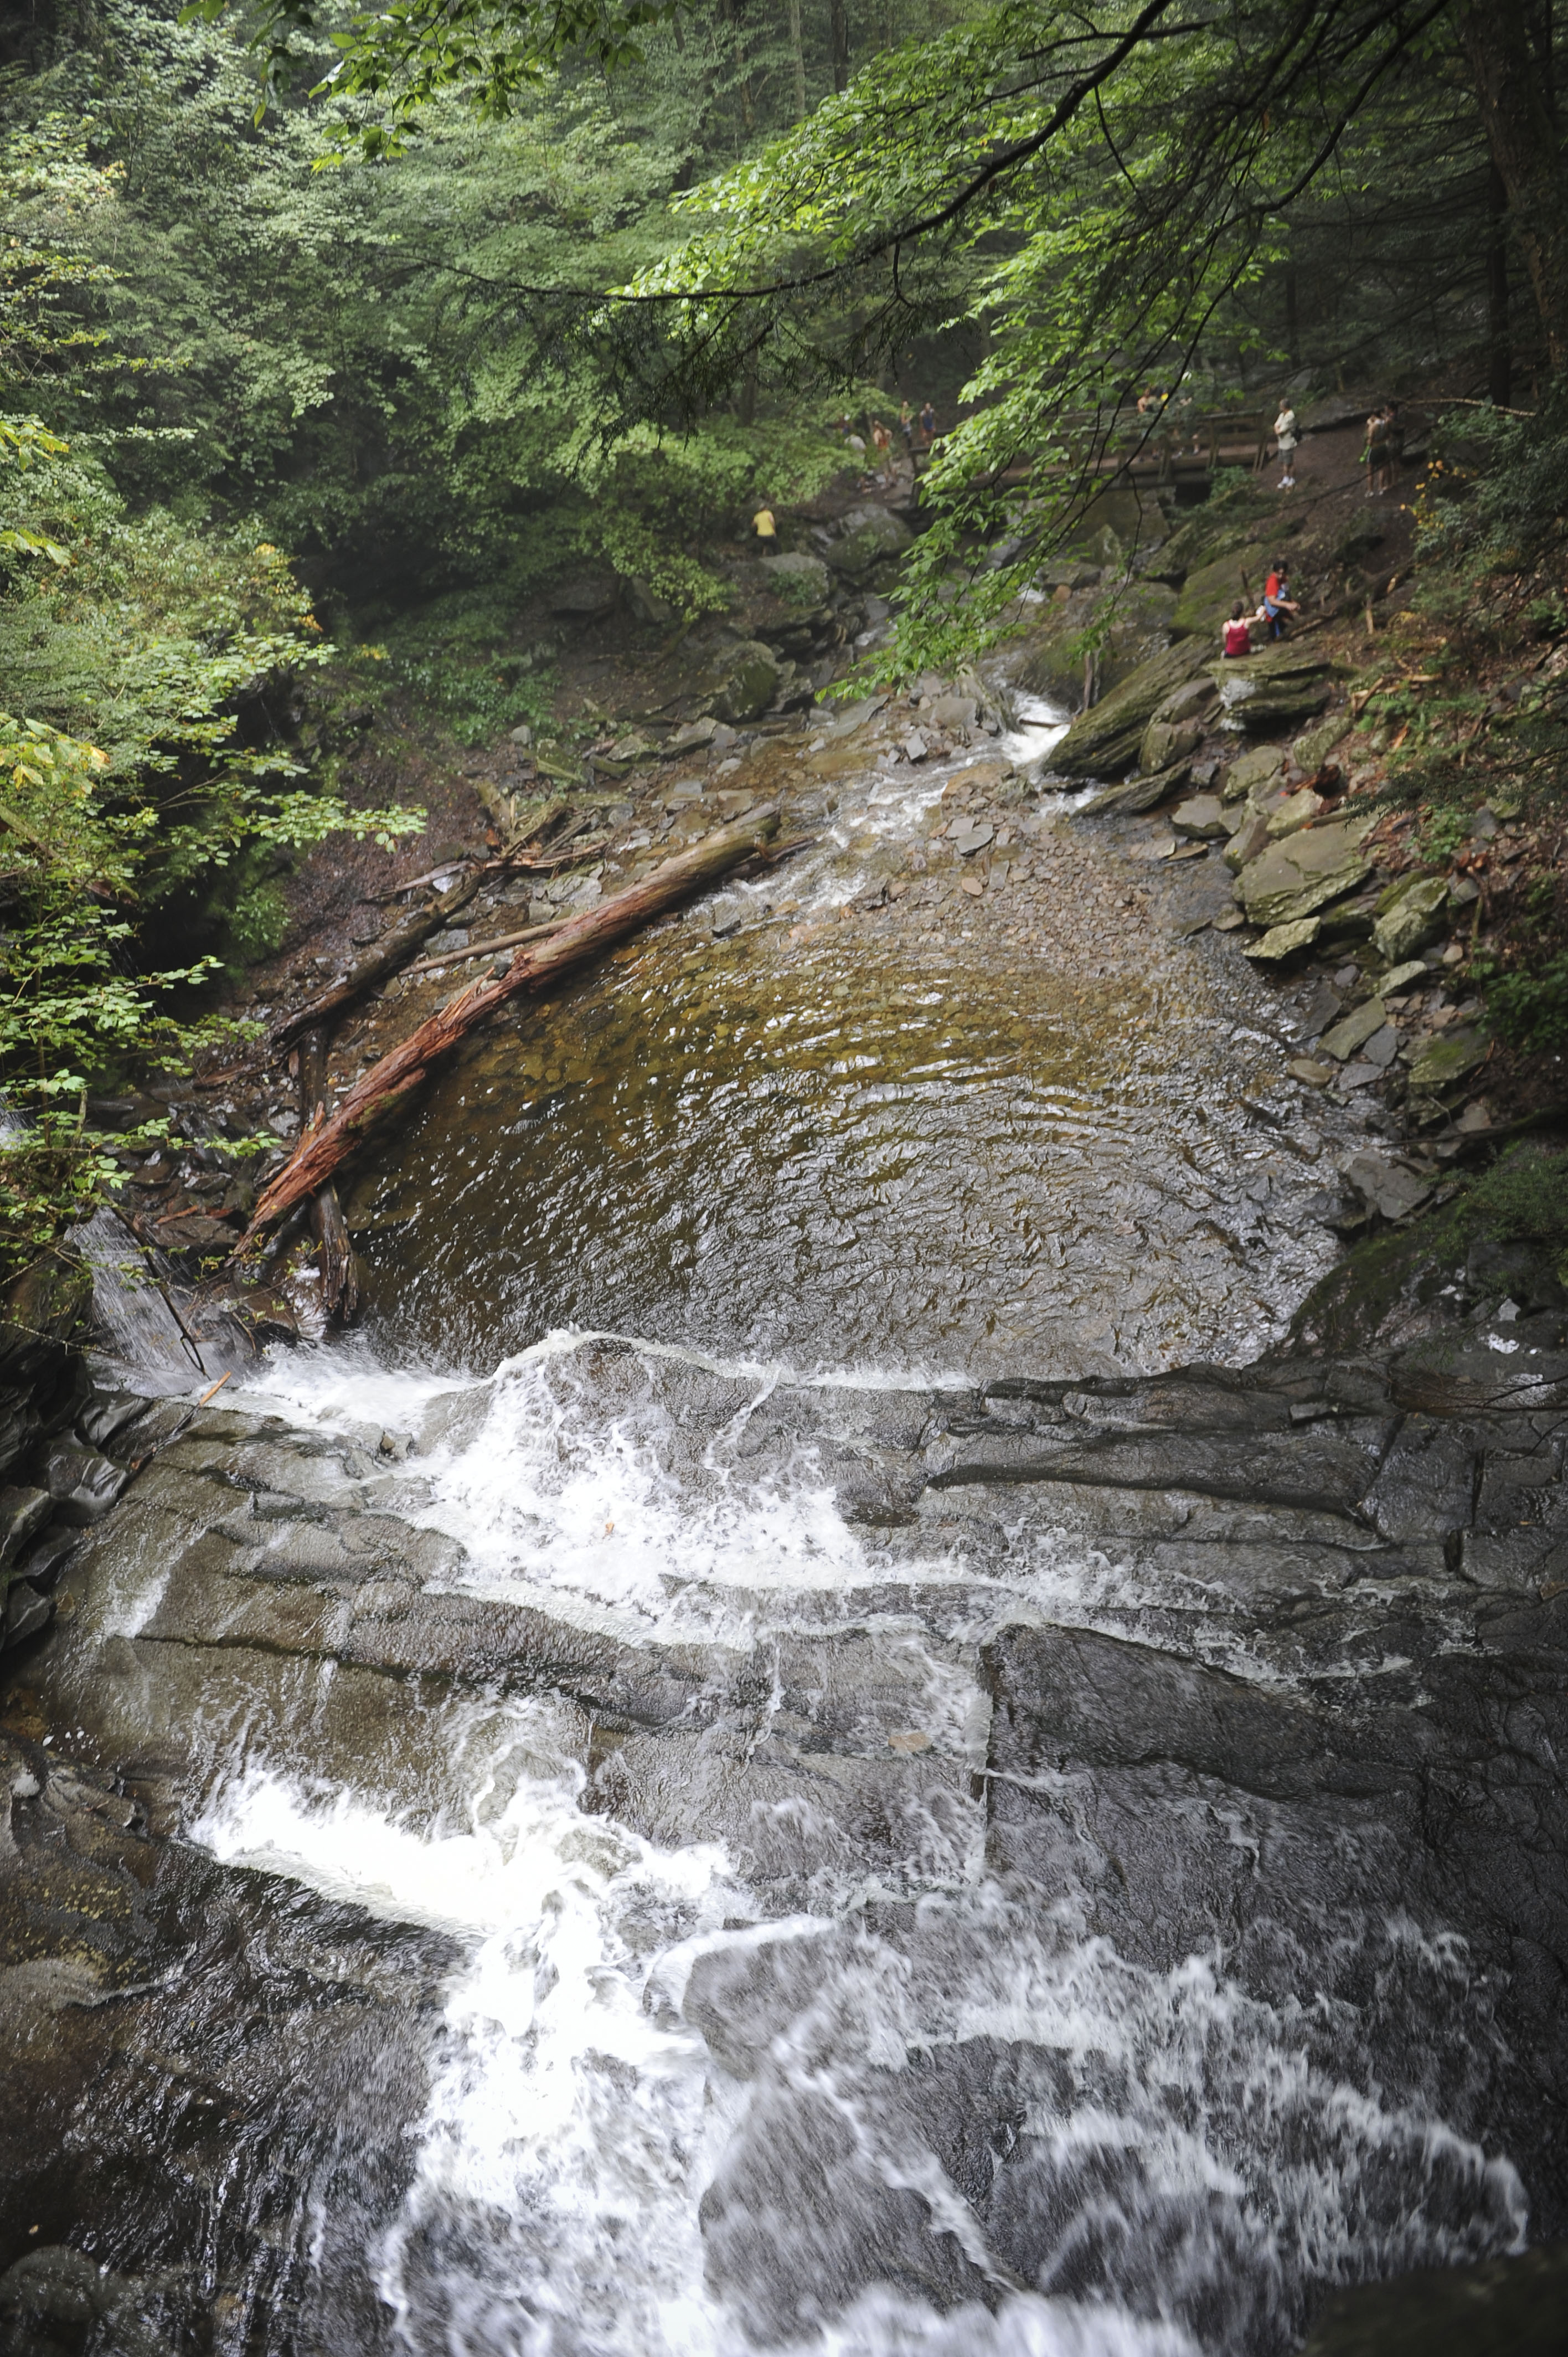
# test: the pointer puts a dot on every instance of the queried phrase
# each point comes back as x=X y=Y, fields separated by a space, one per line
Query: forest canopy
x=323 y=328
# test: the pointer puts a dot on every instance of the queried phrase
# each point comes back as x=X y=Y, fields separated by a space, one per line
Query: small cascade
x=151 y=1342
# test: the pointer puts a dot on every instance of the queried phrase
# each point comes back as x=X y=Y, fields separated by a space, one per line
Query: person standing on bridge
x=1286 y=436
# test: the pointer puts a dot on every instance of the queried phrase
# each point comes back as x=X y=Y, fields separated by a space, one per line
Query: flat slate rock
x=1103 y=742
x=1294 y=879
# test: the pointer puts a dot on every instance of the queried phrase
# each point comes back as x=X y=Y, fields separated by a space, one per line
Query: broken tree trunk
x=329 y=1142
x=339 y=1277
x=391 y=952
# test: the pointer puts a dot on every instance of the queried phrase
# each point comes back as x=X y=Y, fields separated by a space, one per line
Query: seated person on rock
x=1238 y=637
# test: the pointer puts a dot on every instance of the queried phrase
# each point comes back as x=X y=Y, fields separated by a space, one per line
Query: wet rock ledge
x=1264 y=1667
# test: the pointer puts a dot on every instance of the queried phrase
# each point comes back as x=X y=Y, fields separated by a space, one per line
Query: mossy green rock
x=1281 y=941
x=1448 y=1058
x=1355 y=1030
x=1255 y=775
x=1202 y=819
x=1416 y=917
x=1165 y=741
x=1207 y=595
x=801 y=579
x=750 y=683
x=1207 y=533
x=1104 y=741
x=1313 y=746
x=871 y=536
x=1295 y=878
x=1139 y=626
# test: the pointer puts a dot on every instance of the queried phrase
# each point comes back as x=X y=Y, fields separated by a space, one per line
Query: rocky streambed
x=822 y=1737
x=656 y=1855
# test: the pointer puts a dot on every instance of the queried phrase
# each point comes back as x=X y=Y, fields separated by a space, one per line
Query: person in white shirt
x=1286 y=436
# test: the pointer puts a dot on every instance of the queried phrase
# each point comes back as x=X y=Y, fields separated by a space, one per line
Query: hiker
x=1286 y=438
x=906 y=426
x=763 y=525
x=1238 y=637
x=1374 y=457
x=1279 y=607
x=929 y=423
x=881 y=442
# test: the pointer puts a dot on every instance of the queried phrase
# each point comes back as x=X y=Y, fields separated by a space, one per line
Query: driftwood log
x=401 y=941
x=331 y=1138
x=396 y=945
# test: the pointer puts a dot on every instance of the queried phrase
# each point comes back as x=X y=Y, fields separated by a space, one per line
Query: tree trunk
x=1499 y=343
x=798 y=56
x=394 y=948
x=730 y=16
x=838 y=41
x=339 y=1277
x=327 y=1144
x=1517 y=111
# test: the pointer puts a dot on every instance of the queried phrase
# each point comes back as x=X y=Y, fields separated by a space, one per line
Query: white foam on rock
x=1206 y=2151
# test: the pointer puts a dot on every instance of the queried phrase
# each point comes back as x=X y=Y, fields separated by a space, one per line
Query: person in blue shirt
x=1279 y=606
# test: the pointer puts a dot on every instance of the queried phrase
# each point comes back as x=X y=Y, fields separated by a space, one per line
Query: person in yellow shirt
x=763 y=525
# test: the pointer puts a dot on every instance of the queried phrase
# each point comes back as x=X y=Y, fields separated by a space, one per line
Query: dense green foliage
x=140 y=803
x=427 y=308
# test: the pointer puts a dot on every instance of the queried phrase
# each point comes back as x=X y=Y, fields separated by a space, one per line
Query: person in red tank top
x=1238 y=637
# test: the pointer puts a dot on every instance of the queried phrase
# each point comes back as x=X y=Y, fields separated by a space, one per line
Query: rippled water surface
x=844 y=1145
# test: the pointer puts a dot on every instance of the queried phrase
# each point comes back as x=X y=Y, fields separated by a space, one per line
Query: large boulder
x=1179 y=726
x=1138 y=626
x=1209 y=593
x=1255 y=777
x=1295 y=878
x=1204 y=537
x=1416 y=917
x=1104 y=741
x=1272 y=691
x=800 y=579
x=869 y=536
x=749 y=683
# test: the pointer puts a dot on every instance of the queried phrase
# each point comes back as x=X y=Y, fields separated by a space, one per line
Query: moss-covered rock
x=1295 y=878
x=1104 y=742
x=750 y=685
x=1138 y=627
x=1209 y=593
x=1416 y=917
x=870 y=536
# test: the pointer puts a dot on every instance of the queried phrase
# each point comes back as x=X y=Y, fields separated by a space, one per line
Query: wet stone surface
x=1086 y=1756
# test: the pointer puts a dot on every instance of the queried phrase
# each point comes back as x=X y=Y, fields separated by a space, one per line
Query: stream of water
x=753 y=2042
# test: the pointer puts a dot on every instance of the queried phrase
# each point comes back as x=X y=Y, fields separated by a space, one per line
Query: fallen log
x=758 y=865
x=330 y=1139
x=491 y=948
x=391 y=951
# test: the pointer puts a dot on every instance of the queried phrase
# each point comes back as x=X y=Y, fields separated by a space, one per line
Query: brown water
x=837 y=1143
